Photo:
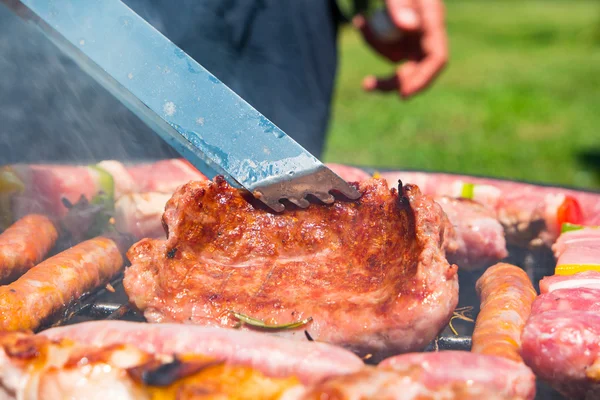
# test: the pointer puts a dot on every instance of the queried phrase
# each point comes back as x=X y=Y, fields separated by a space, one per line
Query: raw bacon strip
x=24 y=244
x=588 y=279
x=496 y=374
x=563 y=349
x=51 y=285
x=163 y=176
x=506 y=295
x=275 y=357
x=567 y=300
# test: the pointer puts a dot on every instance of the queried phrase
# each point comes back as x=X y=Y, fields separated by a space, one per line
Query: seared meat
x=371 y=273
x=127 y=360
x=275 y=357
x=479 y=240
x=35 y=367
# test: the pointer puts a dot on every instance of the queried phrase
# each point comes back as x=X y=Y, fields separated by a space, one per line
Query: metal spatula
x=204 y=120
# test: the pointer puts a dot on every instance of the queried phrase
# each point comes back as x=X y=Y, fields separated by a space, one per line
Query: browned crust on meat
x=378 y=256
x=506 y=296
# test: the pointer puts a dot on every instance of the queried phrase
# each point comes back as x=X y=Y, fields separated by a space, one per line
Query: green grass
x=520 y=97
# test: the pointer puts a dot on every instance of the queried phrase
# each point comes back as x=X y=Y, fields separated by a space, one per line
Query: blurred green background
x=520 y=97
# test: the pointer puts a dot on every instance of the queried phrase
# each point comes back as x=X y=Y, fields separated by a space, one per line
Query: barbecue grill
x=111 y=303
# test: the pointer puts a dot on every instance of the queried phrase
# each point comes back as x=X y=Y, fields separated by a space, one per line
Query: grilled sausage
x=52 y=285
x=506 y=295
x=24 y=244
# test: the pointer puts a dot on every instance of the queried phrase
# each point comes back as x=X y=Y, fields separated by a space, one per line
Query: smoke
x=280 y=56
x=52 y=111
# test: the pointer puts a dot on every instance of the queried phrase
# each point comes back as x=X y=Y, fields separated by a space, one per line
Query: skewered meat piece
x=53 y=284
x=370 y=275
x=506 y=295
x=24 y=244
x=140 y=214
x=587 y=279
x=163 y=176
x=532 y=215
x=348 y=173
x=478 y=241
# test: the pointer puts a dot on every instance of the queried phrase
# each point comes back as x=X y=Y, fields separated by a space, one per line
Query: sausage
x=24 y=244
x=506 y=295
x=52 y=285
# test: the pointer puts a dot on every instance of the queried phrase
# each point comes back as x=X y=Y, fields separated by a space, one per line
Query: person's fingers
x=404 y=14
x=414 y=78
x=434 y=32
x=389 y=84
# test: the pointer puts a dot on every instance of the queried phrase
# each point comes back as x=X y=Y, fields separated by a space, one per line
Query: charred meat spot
x=24 y=349
x=220 y=180
x=171 y=253
x=165 y=225
x=213 y=297
x=12 y=290
x=157 y=374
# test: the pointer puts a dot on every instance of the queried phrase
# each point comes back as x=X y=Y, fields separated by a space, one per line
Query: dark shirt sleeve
x=279 y=55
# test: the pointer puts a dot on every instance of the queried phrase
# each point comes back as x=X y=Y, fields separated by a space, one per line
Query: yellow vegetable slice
x=571 y=269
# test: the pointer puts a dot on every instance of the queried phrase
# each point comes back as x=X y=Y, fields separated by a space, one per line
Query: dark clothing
x=279 y=55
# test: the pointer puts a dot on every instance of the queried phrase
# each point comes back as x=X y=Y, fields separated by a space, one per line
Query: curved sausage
x=506 y=295
x=56 y=282
x=24 y=244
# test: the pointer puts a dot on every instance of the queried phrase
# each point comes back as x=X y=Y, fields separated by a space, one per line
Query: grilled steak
x=370 y=275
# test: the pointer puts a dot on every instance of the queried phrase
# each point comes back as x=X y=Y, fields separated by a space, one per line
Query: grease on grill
x=160 y=374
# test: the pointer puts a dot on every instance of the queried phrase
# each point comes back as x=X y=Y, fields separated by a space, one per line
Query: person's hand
x=423 y=45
